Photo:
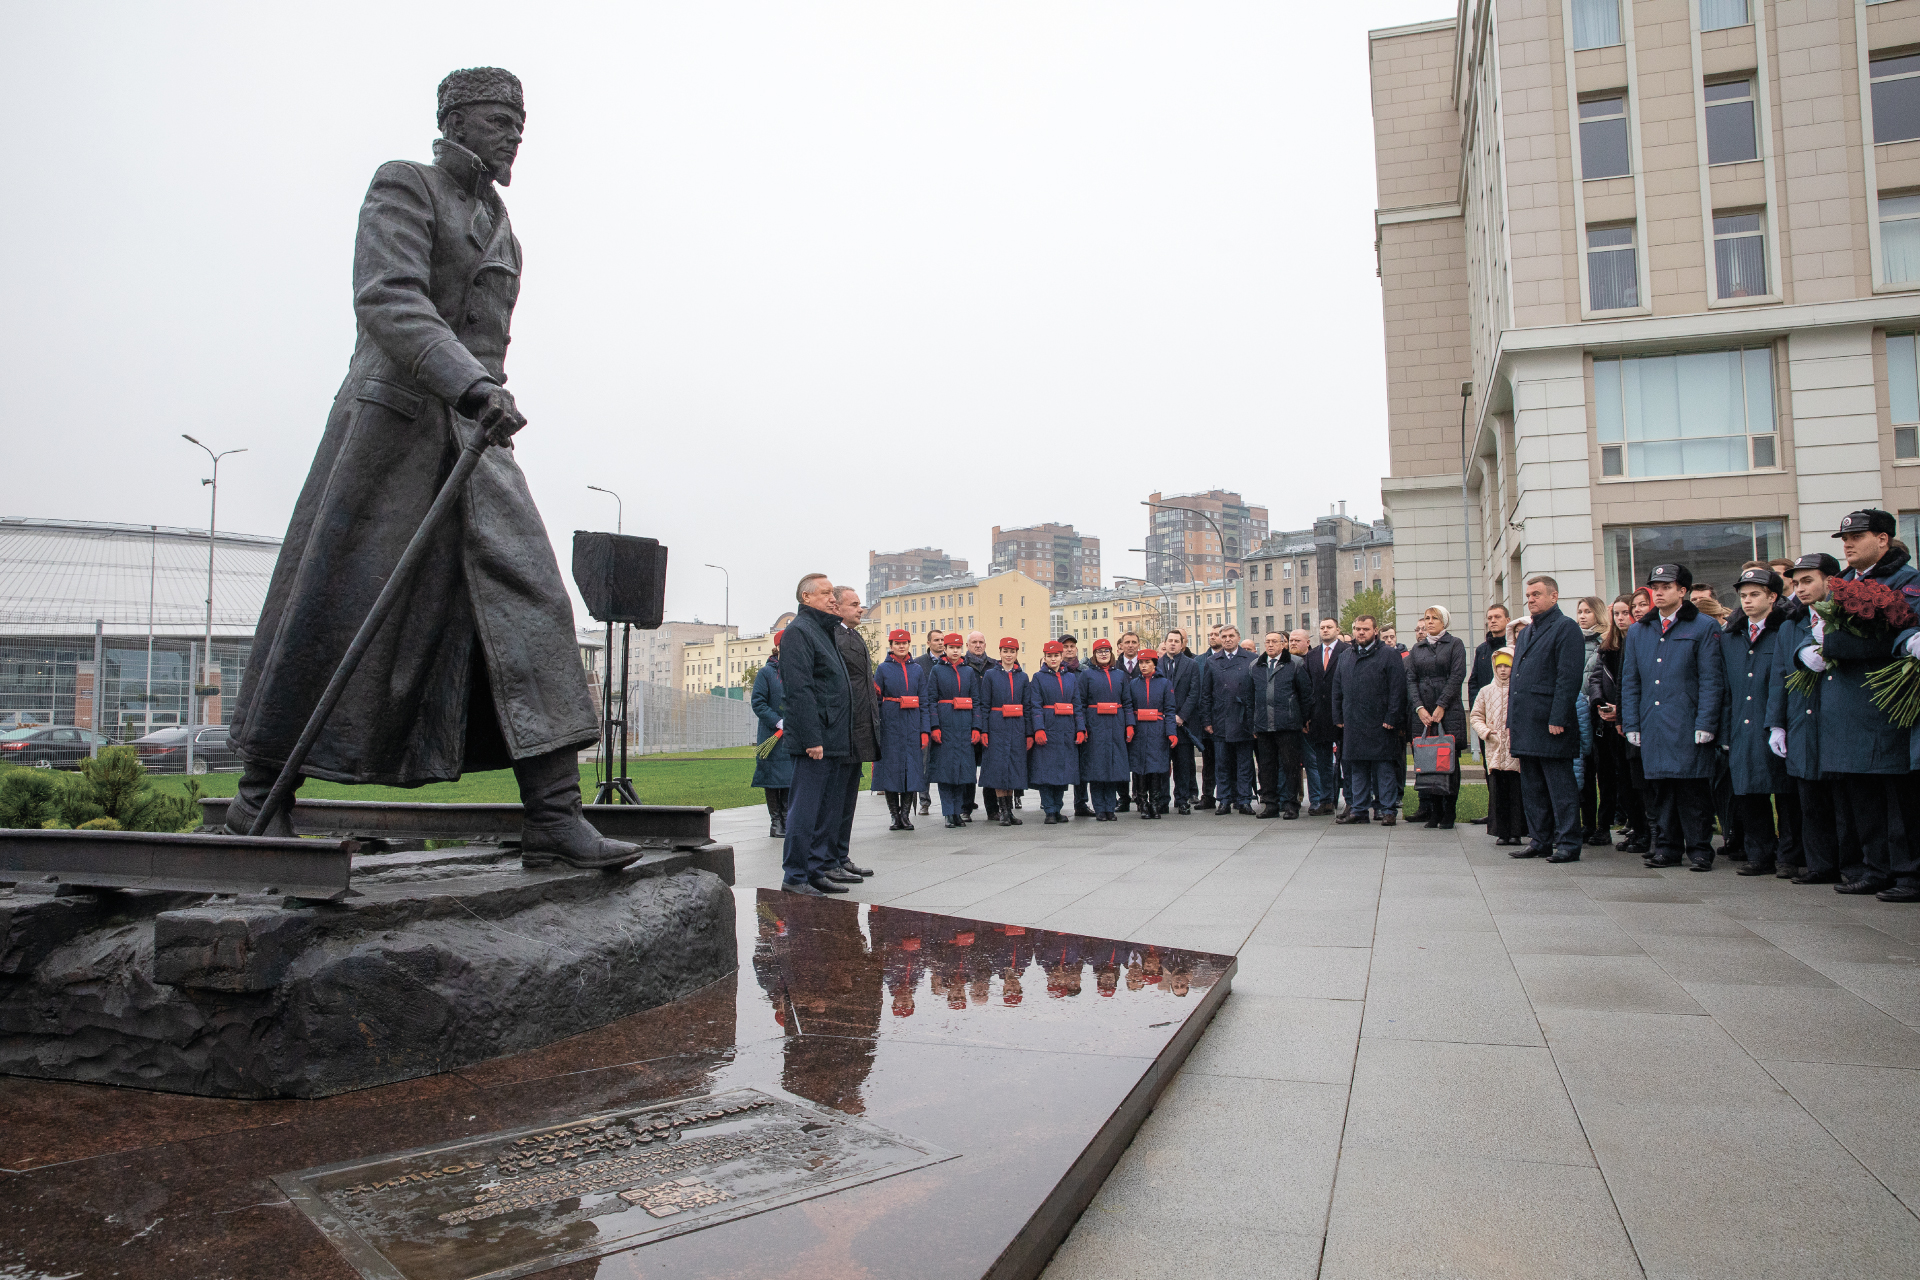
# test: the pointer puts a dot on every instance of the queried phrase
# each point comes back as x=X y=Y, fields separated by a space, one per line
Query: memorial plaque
x=521 y=1201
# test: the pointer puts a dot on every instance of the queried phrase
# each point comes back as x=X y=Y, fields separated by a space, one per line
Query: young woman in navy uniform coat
x=958 y=717
x=1058 y=723
x=1109 y=710
x=1149 y=755
x=1003 y=766
x=905 y=716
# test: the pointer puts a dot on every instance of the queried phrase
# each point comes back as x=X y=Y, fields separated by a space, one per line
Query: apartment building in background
x=1201 y=537
x=723 y=661
x=889 y=569
x=1053 y=554
x=1001 y=604
x=1651 y=271
x=1299 y=576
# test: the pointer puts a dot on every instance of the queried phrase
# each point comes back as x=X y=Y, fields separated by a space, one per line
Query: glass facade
x=1713 y=552
x=1703 y=413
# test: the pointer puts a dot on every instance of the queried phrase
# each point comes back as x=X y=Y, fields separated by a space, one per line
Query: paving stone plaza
x=1439 y=1061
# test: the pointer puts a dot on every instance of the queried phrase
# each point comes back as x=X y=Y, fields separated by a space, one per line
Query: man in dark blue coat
x=1748 y=644
x=1282 y=698
x=818 y=735
x=1543 y=729
x=936 y=652
x=1672 y=686
x=1793 y=724
x=1182 y=670
x=1323 y=735
x=1370 y=708
x=1226 y=712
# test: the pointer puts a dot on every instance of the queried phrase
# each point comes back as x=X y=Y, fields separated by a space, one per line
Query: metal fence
x=672 y=719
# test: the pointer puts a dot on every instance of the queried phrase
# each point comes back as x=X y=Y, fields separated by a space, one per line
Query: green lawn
x=719 y=779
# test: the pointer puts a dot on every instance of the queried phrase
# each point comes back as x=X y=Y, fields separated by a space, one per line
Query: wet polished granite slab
x=1028 y=1057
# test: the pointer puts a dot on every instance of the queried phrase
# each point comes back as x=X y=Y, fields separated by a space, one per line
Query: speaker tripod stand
x=612 y=789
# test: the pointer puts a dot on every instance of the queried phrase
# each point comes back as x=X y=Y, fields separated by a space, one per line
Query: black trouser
x=813 y=815
x=1640 y=793
x=1277 y=758
x=1553 y=805
x=1208 y=766
x=1769 y=843
x=1506 y=812
x=1610 y=766
x=843 y=839
x=1151 y=787
x=1821 y=821
x=1234 y=769
x=1732 y=830
x=1683 y=818
x=1880 y=851
x=1183 y=783
x=1590 y=795
x=1789 y=841
x=777 y=802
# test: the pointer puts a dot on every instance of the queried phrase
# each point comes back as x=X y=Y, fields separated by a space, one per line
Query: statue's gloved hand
x=491 y=405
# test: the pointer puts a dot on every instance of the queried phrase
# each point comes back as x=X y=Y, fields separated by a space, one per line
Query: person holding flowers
x=1793 y=729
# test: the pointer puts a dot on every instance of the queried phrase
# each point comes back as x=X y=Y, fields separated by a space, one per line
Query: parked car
x=165 y=750
x=55 y=747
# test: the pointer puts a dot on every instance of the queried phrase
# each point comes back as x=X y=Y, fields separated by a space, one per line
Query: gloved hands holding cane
x=491 y=406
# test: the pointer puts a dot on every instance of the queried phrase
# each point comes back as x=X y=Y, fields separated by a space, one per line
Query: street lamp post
x=206 y=657
x=619 y=507
x=1218 y=535
x=1466 y=526
x=726 y=626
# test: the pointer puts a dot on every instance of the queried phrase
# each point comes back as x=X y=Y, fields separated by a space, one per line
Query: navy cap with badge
x=1868 y=520
x=1818 y=560
x=1675 y=573
x=1761 y=577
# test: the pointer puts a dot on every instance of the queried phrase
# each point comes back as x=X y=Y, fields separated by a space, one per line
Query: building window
x=1739 y=255
x=1900 y=239
x=1269 y=571
x=1896 y=97
x=1289 y=622
x=1903 y=394
x=1697 y=414
x=1613 y=278
x=1304 y=595
x=1376 y=560
x=1376 y=584
x=1731 y=137
x=1603 y=137
x=1286 y=595
x=1269 y=599
x=1714 y=552
x=1718 y=15
x=1596 y=23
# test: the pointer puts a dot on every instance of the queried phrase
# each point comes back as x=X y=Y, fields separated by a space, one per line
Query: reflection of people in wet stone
x=1059 y=955
x=831 y=986
x=1106 y=957
x=899 y=938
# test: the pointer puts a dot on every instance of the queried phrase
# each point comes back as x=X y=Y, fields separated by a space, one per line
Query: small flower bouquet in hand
x=765 y=749
x=1860 y=619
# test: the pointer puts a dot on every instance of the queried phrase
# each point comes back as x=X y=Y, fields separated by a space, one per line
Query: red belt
x=1147 y=715
x=1011 y=710
x=1060 y=708
x=909 y=702
x=1107 y=708
x=958 y=704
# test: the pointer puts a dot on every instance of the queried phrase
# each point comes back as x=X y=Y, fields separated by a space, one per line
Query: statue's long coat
x=478 y=665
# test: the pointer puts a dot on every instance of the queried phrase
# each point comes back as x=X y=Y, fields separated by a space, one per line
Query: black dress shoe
x=925 y=806
x=803 y=888
x=1207 y=803
x=1224 y=811
x=1565 y=855
x=850 y=869
x=1291 y=813
x=1104 y=817
x=1899 y=893
x=1244 y=810
x=1699 y=866
x=825 y=885
x=1817 y=877
x=1478 y=822
x=1183 y=807
x=1640 y=846
x=1008 y=820
x=1756 y=869
x=1082 y=811
x=1050 y=819
x=1788 y=871
x=840 y=875
x=1267 y=811
x=1600 y=839
x=1388 y=818
x=1351 y=818
x=1531 y=851
x=953 y=820
x=1662 y=862
x=1862 y=885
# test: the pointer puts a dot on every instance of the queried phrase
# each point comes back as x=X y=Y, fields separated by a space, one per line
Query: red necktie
x=1753 y=632
x=1665 y=623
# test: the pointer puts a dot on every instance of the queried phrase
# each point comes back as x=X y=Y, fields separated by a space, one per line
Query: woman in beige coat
x=1506 y=815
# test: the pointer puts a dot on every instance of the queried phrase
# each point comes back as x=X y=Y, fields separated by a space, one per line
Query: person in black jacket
x=1282 y=697
x=818 y=735
x=982 y=662
x=1225 y=702
x=1543 y=727
x=864 y=728
x=1370 y=706
x=1323 y=735
x=936 y=652
x=1182 y=670
x=1436 y=668
x=1482 y=673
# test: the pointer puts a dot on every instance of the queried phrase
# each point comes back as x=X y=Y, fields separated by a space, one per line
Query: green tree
x=748 y=676
x=1374 y=603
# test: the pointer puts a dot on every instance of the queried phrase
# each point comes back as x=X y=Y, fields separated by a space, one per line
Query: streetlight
x=206 y=658
x=1204 y=516
x=619 y=507
x=1466 y=535
x=726 y=625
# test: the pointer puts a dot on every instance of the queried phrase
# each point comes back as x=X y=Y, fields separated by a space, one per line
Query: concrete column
x=1836 y=427
x=1555 y=507
x=1428 y=567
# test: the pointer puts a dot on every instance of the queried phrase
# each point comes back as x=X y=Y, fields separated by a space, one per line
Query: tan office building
x=1001 y=604
x=1674 y=247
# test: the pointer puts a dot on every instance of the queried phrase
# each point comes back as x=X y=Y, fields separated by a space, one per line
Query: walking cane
x=443 y=504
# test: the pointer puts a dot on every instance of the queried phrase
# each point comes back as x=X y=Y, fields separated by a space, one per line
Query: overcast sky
x=802 y=279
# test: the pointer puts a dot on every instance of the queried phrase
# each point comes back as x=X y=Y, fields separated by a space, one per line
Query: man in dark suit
x=1323 y=777
x=1226 y=711
x=1183 y=670
x=1127 y=658
x=818 y=734
x=865 y=728
x=1542 y=727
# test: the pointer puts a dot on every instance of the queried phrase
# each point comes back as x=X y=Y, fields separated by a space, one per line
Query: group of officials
x=1123 y=728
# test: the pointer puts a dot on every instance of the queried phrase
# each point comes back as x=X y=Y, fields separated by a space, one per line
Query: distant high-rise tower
x=1049 y=553
x=1202 y=535
x=889 y=569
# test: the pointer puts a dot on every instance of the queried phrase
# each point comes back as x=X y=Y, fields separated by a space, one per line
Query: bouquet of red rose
x=1860 y=619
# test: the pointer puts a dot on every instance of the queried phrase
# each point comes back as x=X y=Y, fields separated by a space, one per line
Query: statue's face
x=491 y=130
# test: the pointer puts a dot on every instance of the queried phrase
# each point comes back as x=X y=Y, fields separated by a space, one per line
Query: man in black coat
x=1071 y=662
x=1482 y=673
x=1543 y=728
x=1370 y=706
x=819 y=736
x=1323 y=735
x=864 y=729
x=1282 y=699
x=1183 y=670
x=1226 y=711
x=936 y=652
x=978 y=659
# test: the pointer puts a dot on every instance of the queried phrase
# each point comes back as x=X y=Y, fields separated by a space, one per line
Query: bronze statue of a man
x=477 y=667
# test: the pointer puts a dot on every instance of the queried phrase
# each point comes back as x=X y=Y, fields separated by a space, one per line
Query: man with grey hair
x=864 y=729
x=819 y=737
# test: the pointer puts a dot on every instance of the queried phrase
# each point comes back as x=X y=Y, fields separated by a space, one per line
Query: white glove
x=1819 y=629
x=1701 y=737
x=1634 y=738
x=1777 y=742
x=781 y=723
x=1913 y=647
x=1810 y=657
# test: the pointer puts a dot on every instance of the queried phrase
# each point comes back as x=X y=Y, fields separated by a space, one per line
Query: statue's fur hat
x=480 y=84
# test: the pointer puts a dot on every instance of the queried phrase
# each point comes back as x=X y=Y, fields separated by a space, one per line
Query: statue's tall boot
x=255 y=784
x=552 y=826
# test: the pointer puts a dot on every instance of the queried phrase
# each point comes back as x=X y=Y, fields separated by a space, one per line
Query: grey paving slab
x=1872 y=1111
x=1696 y=920
x=1285 y=925
x=1482 y=1101
x=1326 y=973
x=1448 y=986
x=1804 y=1024
x=1751 y=961
x=1279 y=1038
x=1629 y=984
x=1117 y=1241
x=1551 y=933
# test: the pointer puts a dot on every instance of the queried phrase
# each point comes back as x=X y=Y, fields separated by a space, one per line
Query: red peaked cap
x=1008 y=642
x=1053 y=646
x=953 y=637
x=897 y=636
x=776 y=637
x=1101 y=644
x=1146 y=655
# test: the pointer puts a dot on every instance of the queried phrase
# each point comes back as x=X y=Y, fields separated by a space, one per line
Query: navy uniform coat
x=1549 y=666
x=1055 y=762
x=1797 y=713
x=1226 y=695
x=1321 y=725
x=953 y=754
x=901 y=766
x=1370 y=694
x=1855 y=735
x=1150 y=752
x=1282 y=689
x=1004 y=765
x=774 y=770
x=1104 y=756
x=1753 y=685
x=1672 y=686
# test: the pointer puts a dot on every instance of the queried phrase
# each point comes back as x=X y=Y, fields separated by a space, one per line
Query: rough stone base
x=437 y=964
